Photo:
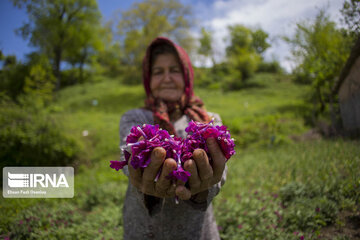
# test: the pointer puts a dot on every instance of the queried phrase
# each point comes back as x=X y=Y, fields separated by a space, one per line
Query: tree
x=33 y=77
x=320 y=50
x=60 y=28
x=351 y=15
x=145 y=21
x=108 y=59
x=205 y=48
x=39 y=82
x=259 y=42
x=240 y=38
x=12 y=76
x=87 y=42
x=243 y=58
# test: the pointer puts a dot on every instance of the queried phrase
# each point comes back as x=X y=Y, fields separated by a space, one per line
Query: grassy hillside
x=276 y=188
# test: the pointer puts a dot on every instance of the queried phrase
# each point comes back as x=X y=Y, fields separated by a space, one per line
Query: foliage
x=244 y=54
x=265 y=131
x=351 y=15
x=12 y=76
x=213 y=78
x=74 y=219
x=31 y=138
x=108 y=59
x=288 y=191
x=205 y=48
x=307 y=212
x=40 y=82
x=149 y=19
x=270 y=67
x=321 y=50
x=33 y=78
x=259 y=40
x=62 y=30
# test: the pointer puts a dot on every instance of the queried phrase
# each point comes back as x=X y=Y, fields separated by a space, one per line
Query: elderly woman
x=150 y=211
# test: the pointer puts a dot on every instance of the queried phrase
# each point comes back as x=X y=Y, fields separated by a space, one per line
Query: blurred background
x=274 y=70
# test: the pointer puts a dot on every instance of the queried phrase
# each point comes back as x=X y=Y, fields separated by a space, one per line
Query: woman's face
x=167 y=80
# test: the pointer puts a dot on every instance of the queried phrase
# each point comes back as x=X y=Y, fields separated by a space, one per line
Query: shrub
x=29 y=137
x=203 y=77
x=266 y=131
x=12 y=77
x=310 y=206
x=270 y=67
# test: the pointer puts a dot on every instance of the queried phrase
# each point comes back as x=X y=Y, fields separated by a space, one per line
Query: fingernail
x=203 y=154
x=158 y=153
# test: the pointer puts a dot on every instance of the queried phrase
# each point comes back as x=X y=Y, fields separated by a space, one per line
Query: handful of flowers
x=143 y=139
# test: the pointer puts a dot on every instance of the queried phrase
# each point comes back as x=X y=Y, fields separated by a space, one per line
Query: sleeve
x=202 y=200
x=128 y=120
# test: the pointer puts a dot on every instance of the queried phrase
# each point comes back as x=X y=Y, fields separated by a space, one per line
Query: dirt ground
x=347 y=227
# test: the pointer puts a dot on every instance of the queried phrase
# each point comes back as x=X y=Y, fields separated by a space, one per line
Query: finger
x=163 y=184
x=194 y=114
x=171 y=191
x=135 y=176
x=183 y=193
x=150 y=172
x=218 y=158
x=194 y=179
x=203 y=166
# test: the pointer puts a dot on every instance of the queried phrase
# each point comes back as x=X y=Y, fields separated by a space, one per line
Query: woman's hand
x=203 y=174
x=144 y=180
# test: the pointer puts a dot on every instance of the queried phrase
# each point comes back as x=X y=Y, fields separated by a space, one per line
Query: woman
x=150 y=211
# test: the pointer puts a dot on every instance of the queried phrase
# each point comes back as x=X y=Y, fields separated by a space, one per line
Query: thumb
x=183 y=193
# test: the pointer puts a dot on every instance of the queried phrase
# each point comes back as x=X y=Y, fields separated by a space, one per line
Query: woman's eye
x=175 y=70
x=157 y=73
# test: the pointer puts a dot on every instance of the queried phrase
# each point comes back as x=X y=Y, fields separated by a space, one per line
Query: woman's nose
x=167 y=77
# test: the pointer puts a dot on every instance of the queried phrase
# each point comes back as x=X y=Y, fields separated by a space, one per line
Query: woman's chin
x=172 y=98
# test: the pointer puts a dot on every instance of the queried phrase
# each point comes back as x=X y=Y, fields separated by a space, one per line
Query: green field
x=277 y=188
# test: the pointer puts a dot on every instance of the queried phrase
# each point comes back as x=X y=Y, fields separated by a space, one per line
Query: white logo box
x=38 y=182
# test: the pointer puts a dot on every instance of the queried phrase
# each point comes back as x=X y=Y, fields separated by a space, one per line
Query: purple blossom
x=117 y=165
x=140 y=143
x=127 y=155
x=141 y=152
x=146 y=131
x=180 y=174
x=199 y=132
x=143 y=139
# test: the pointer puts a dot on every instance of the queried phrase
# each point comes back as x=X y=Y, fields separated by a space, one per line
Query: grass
x=289 y=191
x=276 y=188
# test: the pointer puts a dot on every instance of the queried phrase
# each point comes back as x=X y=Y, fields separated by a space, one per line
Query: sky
x=276 y=17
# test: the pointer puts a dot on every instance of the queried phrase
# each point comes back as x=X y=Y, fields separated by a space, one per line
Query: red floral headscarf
x=188 y=104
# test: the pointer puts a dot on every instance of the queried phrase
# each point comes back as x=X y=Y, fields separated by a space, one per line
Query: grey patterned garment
x=147 y=217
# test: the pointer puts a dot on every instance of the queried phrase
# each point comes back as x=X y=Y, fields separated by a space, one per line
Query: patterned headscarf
x=188 y=104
